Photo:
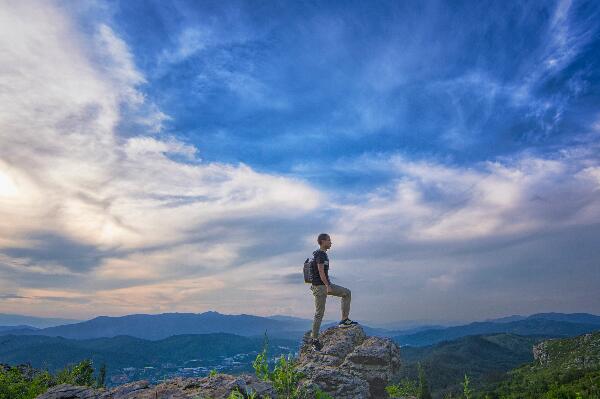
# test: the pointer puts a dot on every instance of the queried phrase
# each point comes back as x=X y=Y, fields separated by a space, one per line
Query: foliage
x=485 y=358
x=405 y=387
x=14 y=384
x=284 y=377
x=79 y=374
x=528 y=383
x=571 y=369
x=212 y=373
x=260 y=364
x=322 y=395
x=466 y=388
x=235 y=395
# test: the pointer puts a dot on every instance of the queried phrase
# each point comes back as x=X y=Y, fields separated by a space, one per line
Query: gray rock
x=350 y=365
x=214 y=387
x=377 y=360
x=66 y=391
x=127 y=390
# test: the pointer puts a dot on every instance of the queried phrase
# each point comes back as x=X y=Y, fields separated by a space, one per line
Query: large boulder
x=350 y=365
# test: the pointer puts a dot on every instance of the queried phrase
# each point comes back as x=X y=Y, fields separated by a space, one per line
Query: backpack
x=308 y=267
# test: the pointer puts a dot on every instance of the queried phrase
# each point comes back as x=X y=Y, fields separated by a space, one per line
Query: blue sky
x=186 y=155
x=266 y=84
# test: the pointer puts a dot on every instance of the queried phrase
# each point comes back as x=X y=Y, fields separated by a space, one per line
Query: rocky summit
x=349 y=366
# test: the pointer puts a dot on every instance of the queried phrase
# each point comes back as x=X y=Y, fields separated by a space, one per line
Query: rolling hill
x=546 y=326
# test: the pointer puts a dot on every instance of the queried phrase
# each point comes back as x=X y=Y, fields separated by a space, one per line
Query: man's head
x=324 y=241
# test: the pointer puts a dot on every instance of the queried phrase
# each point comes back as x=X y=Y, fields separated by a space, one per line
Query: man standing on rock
x=321 y=287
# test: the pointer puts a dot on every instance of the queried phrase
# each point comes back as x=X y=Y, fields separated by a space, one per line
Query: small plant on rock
x=79 y=374
x=284 y=377
x=322 y=395
x=466 y=388
x=236 y=395
x=404 y=388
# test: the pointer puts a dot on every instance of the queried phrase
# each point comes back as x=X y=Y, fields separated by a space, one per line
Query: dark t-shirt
x=320 y=257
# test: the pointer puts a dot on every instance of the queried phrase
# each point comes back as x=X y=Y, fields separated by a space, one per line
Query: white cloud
x=435 y=202
x=66 y=171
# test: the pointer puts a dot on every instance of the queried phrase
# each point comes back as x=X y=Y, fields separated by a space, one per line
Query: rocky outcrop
x=582 y=352
x=214 y=387
x=350 y=365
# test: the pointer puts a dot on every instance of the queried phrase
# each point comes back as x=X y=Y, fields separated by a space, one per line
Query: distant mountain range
x=33 y=321
x=161 y=326
x=541 y=324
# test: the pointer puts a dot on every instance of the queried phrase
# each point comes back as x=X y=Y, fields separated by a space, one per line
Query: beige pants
x=320 y=293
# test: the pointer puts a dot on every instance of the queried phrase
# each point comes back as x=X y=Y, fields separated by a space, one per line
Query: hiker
x=321 y=287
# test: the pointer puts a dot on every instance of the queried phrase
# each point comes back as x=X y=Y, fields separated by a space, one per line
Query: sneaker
x=347 y=323
x=316 y=344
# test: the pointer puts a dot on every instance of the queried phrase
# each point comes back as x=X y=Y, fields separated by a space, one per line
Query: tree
x=423 y=392
x=80 y=374
x=101 y=376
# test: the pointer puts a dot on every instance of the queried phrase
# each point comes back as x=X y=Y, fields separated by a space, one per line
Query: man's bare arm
x=321 y=267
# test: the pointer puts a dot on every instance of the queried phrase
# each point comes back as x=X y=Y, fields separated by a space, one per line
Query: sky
x=183 y=156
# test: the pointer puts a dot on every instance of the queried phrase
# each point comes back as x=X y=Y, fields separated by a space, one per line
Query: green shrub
x=235 y=395
x=466 y=388
x=284 y=377
x=405 y=387
x=14 y=385
x=81 y=373
x=322 y=395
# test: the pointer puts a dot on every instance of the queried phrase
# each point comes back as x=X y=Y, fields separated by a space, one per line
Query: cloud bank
x=105 y=209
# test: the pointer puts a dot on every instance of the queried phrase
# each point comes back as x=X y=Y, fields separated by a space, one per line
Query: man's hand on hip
x=329 y=289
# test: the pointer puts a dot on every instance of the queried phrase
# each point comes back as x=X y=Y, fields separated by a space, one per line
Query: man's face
x=326 y=243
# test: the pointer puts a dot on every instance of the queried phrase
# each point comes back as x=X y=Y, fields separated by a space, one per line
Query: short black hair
x=322 y=237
